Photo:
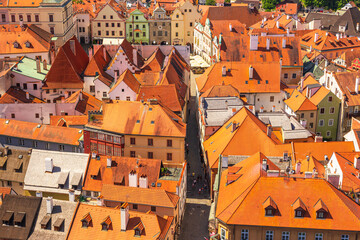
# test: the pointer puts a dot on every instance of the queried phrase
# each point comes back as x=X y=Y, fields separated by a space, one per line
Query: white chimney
x=357 y=27
x=81 y=96
x=254 y=41
x=44 y=65
x=108 y=163
x=357 y=162
x=133 y=179
x=272 y=173
x=288 y=31
x=337 y=36
x=124 y=216
x=230 y=27
x=72 y=46
x=261 y=109
x=135 y=56
x=264 y=164
x=318 y=138
x=301 y=84
x=38 y=194
x=284 y=42
x=27 y=95
x=357 y=85
x=49 y=164
x=38 y=68
x=223 y=71
x=287 y=17
x=49 y=205
x=104 y=53
x=100 y=201
x=298 y=167
x=273 y=108
x=90 y=53
x=310 y=48
x=277 y=24
x=268 y=44
x=316 y=37
x=251 y=72
x=314 y=173
x=93 y=155
x=143 y=181
x=308 y=174
x=71 y=195
x=94 y=8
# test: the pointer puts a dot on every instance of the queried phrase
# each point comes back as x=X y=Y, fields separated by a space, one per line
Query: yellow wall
x=159 y=148
x=108 y=11
x=177 y=18
x=57 y=196
x=308 y=119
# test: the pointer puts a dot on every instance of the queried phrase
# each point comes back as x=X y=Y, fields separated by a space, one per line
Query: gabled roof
x=155 y=61
x=320 y=95
x=351 y=18
x=327 y=20
x=127 y=49
x=155 y=227
x=283 y=20
x=241 y=201
x=128 y=78
x=14 y=163
x=67 y=68
x=221 y=91
x=98 y=63
x=298 y=102
x=35 y=131
x=91 y=7
x=84 y=102
x=16 y=95
x=136 y=118
x=346 y=82
x=350 y=181
x=69 y=120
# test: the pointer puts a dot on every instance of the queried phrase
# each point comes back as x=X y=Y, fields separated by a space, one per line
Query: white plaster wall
x=89 y=81
x=263 y=100
x=120 y=63
x=44 y=55
x=122 y=91
x=333 y=166
x=58 y=92
x=100 y=87
x=5 y=83
x=333 y=85
x=18 y=78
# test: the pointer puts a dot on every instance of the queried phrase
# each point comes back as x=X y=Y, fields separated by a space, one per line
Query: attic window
x=246 y=82
x=321 y=209
x=150 y=109
x=16 y=44
x=299 y=208
x=28 y=44
x=266 y=81
x=106 y=224
x=152 y=122
x=137 y=121
x=86 y=220
x=258 y=81
x=270 y=207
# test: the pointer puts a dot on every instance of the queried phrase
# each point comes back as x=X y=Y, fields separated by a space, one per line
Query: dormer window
x=84 y=224
x=137 y=232
x=321 y=209
x=86 y=220
x=299 y=213
x=320 y=214
x=269 y=212
x=28 y=44
x=106 y=224
x=138 y=229
x=299 y=208
x=270 y=207
x=16 y=44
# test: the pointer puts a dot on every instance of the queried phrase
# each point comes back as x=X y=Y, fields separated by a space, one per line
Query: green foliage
x=77 y=1
x=269 y=4
x=210 y=2
x=326 y=4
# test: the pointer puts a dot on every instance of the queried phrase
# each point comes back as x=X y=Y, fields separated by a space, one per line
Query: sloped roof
x=67 y=67
x=13 y=162
x=84 y=102
x=351 y=18
x=69 y=120
x=350 y=181
x=128 y=78
x=221 y=91
x=298 y=102
x=346 y=82
x=98 y=63
x=16 y=95
x=27 y=67
x=155 y=61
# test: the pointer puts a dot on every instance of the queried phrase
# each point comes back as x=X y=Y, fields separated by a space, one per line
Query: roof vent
x=153 y=184
x=38 y=126
x=137 y=121
x=7 y=121
x=152 y=122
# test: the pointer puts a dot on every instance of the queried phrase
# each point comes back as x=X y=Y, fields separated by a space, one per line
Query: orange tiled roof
x=153 y=224
x=98 y=63
x=223 y=27
x=137 y=195
x=221 y=91
x=241 y=201
x=238 y=77
x=350 y=181
x=35 y=131
x=298 y=102
x=271 y=22
x=88 y=7
x=346 y=82
x=16 y=95
x=24 y=3
x=288 y=8
x=155 y=61
x=67 y=67
x=128 y=78
x=84 y=102
x=141 y=119
x=119 y=173
x=319 y=95
x=166 y=94
x=309 y=166
x=69 y=120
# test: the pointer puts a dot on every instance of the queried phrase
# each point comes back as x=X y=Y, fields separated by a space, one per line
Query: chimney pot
x=268 y=44
x=251 y=72
x=71 y=195
x=254 y=41
x=133 y=178
x=223 y=72
x=38 y=68
x=124 y=216
x=49 y=205
x=143 y=181
x=357 y=85
x=230 y=27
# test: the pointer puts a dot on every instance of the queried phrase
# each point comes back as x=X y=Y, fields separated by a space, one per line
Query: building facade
x=159 y=27
x=137 y=28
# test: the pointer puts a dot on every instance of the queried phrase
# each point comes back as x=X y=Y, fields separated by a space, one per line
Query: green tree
x=210 y=2
x=307 y=3
x=269 y=4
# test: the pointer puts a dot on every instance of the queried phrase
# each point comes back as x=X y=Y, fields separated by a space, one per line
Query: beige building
x=183 y=21
x=109 y=22
x=54 y=16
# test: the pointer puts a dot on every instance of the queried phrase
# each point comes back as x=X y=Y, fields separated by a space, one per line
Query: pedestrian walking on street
x=199 y=191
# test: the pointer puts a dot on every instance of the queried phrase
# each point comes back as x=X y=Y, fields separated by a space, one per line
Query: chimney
x=357 y=27
x=284 y=42
x=318 y=138
x=49 y=165
x=124 y=216
x=44 y=65
x=310 y=48
x=234 y=125
x=264 y=164
x=223 y=71
x=104 y=53
x=71 y=195
x=135 y=60
x=269 y=131
x=308 y=174
x=81 y=96
x=27 y=95
x=90 y=53
x=334 y=179
x=94 y=8
x=261 y=109
x=316 y=37
x=357 y=85
x=273 y=173
x=38 y=68
x=254 y=41
x=230 y=27
x=301 y=84
x=288 y=31
x=287 y=17
x=143 y=181
x=38 y=194
x=108 y=162
x=314 y=173
x=268 y=44
x=298 y=167
x=133 y=179
x=49 y=205
x=273 y=108
x=251 y=72
x=308 y=92
x=277 y=24
x=357 y=162
x=115 y=76
x=93 y=155
x=337 y=36
x=72 y=46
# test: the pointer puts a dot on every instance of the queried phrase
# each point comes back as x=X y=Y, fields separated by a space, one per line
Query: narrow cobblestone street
x=195 y=223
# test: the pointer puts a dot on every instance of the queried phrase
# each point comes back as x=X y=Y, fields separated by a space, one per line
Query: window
x=113 y=33
x=244 y=234
x=9 y=183
x=154 y=33
x=52 y=30
x=356 y=109
x=150 y=155
x=47 y=146
x=135 y=206
x=344 y=237
x=107 y=33
x=29 y=18
x=269 y=235
x=223 y=234
x=176 y=34
x=285 y=75
x=144 y=26
x=13 y=18
x=285 y=236
x=159 y=33
x=294 y=75
x=137 y=35
x=104 y=16
x=104 y=94
x=322 y=110
x=328 y=133
x=272 y=98
x=21 y=142
x=318 y=236
x=331 y=122
x=111 y=17
x=35 y=86
x=21 y=18
x=311 y=115
x=321 y=122
x=330 y=99
x=118 y=25
x=35 y=144
x=37 y=18
x=106 y=24
x=332 y=110
x=121 y=33
x=269 y=212
x=13 y=115
x=298 y=213
x=169 y=143
x=144 y=34
x=301 y=236
x=132 y=141
x=191 y=24
x=37 y=115
x=132 y=154
x=150 y=142
x=51 y=18
x=24 y=86
x=99 y=33
x=188 y=33
x=92 y=88
x=320 y=214
x=311 y=125
x=99 y=24
x=61 y=147
x=169 y=156
x=176 y=25
x=153 y=209
x=302 y=115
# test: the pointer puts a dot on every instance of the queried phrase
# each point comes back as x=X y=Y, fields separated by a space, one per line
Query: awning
x=3 y=161
x=62 y=178
x=7 y=216
x=59 y=222
x=45 y=220
x=75 y=180
x=19 y=217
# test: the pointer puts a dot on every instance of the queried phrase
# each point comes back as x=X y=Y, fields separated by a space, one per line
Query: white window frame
x=301 y=236
x=328 y=133
x=345 y=237
x=332 y=122
x=222 y=233
x=356 y=109
x=285 y=236
x=318 y=236
x=244 y=234
x=330 y=110
x=269 y=235
x=321 y=121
